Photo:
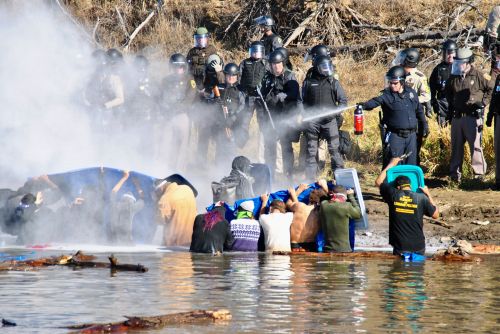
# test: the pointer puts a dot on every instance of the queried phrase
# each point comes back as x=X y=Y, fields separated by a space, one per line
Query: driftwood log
x=155 y=322
x=78 y=260
x=445 y=257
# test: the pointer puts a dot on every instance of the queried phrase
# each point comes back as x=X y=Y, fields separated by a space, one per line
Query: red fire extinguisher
x=359 y=119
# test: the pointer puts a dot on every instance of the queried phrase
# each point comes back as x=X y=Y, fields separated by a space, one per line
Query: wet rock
x=8 y=323
x=479 y=222
x=445 y=240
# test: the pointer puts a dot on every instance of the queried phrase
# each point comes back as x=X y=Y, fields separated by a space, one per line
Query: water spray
x=329 y=112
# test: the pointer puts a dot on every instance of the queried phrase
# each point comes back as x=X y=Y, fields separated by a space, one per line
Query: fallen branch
x=437 y=222
x=122 y=22
x=378 y=255
x=378 y=27
x=94 y=32
x=83 y=30
x=302 y=26
x=156 y=322
x=78 y=260
x=409 y=36
x=138 y=29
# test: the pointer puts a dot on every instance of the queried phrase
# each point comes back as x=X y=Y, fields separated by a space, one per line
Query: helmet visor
x=257 y=51
x=459 y=66
x=399 y=59
x=201 y=41
x=325 y=68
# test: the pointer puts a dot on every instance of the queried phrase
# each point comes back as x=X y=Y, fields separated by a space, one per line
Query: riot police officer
x=418 y=81
x=402 y=112
x=437 y=82
x=141 y=102
x=319 y=91
x=178 y=93
x=286 y=54
x=494 y=113
x=230 y=103
x=141 y=105
x=467 y=92
x=113 y=111
x=271 y=40
x=252 y=71
x=319 y=50
x=282 y=95
x=205 y=121
x=197 y=56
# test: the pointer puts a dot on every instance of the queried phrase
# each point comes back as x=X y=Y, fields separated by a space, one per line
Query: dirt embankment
x=473 y=215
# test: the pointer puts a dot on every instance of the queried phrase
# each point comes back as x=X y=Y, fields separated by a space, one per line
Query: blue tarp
x=73 y=183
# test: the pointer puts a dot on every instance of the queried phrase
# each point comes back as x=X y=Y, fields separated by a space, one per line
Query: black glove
x=489 y=122
x=427 y=109
x=426 y=131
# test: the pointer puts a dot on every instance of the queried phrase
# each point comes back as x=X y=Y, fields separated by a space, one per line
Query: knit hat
x=247 y=206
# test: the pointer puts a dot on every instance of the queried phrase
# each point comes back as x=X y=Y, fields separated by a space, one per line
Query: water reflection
x=404 y=294
x=265 y=293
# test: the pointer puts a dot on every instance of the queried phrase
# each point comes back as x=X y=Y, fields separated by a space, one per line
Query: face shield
x=399 y=59
x=459 y=66
x=307 y=56
x=257 y=51
x=326 y=69
x=201 y=41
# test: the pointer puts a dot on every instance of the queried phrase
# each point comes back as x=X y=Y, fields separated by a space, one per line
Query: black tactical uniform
x=437 y=83
x=271 y=42
x=226 y=125
x=401 y=115
x=252 y=72
x=197 y=58
x=322 y=92
x=284 y=111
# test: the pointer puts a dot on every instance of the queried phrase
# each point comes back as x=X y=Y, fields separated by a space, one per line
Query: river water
x=264 y=293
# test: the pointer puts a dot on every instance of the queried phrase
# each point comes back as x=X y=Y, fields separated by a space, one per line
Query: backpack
x=345 y=147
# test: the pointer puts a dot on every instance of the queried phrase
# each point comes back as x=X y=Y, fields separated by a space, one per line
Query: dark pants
x=396 y=145
x=420 y=141
x=316 y=131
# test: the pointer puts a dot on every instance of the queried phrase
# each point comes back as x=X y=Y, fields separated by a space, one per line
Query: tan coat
x=177 y=211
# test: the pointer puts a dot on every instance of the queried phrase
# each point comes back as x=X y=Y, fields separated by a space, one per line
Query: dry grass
x=362 y=77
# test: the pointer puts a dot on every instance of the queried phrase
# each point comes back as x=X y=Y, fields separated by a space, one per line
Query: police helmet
x=318 y=50
x=114 y=56
x=464 y=55
x=231 y=69
x=265 y=20
x=324 y=65
x=396 y=73
x=141 y=62
x=411 y=57
x=177 y=60
x=201 y=36
x=284 y=51
x=449 y=45
x=100 y=56
x=276 y=57
x=257 y=50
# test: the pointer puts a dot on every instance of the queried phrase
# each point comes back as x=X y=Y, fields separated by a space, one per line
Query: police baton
x=265 y=107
